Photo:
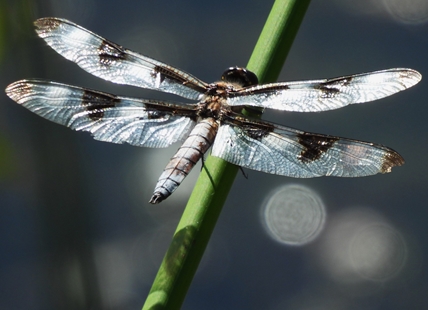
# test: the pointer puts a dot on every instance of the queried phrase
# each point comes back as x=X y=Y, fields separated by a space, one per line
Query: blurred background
x=76 y=228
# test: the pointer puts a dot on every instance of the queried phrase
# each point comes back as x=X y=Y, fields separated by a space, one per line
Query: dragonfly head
x=240 y=76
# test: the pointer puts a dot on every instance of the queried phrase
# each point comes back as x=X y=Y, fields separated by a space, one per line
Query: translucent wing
x=114 y=63
x=329 y=94
x=285 y=151
x=107 y=117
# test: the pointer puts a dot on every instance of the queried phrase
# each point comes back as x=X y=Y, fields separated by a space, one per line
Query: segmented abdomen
x=197 y=143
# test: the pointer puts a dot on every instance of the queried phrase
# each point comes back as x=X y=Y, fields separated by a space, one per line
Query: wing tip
x=391 y=159
x=47 y=24
x=18 y=90
x=410 y=77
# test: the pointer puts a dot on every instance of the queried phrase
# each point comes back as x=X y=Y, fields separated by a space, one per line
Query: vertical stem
x=200 y=216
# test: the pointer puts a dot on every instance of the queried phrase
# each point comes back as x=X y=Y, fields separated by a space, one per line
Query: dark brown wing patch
x=110 y=53
x=314 y=146
x=96 y=104
x=333 y=86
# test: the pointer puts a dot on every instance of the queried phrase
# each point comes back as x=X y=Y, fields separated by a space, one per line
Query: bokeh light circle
x=293 y=215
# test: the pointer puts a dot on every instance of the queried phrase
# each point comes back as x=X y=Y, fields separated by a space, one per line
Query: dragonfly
x=214 y=119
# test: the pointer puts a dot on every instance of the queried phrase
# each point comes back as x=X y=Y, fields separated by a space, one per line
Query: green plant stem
x=203 y=209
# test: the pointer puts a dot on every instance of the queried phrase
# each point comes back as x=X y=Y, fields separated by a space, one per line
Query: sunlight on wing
x=114 y=63
x=329 y=94
x=289 y=152
x=107 y=117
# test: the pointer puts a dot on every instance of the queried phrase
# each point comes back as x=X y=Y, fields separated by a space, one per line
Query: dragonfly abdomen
x=194 y=147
